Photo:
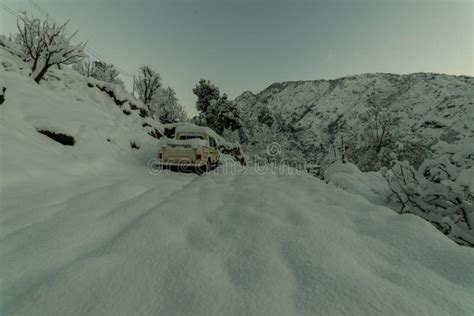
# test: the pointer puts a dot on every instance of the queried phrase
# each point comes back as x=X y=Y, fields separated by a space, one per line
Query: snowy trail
x=248 y=243
x=65 y=223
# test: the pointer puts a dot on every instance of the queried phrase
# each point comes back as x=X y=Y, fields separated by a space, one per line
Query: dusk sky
x=247 y=45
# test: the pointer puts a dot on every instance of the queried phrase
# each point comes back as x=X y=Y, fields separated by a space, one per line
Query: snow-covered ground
x=249 y=243
x=65 y=103
x=370 y=185
x=87 y=229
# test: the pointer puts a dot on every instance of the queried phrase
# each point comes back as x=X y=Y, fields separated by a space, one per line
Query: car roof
x=194 y=129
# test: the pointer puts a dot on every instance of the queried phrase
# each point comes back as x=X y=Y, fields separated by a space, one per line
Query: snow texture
x=371 y=185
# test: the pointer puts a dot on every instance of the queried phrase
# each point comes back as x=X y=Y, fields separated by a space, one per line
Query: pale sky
x=247 y=45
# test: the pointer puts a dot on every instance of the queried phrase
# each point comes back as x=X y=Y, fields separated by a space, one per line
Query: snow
x=190 y=128
x=250 y=243
x=63 y=104
x=461 y=154
x=88 y=230
x=370 y=185
x=185 y=128
x=467 y=179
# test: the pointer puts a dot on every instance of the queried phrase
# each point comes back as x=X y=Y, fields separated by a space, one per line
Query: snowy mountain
x=430 y=107
x=86 y=228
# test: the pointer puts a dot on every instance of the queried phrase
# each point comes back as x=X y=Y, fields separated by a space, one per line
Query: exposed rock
x=63 y=139
x=2 y=96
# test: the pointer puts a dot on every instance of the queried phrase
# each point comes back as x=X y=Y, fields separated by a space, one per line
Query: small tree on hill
x=85 y=68
x=105 y=72
x=335 y=132
x=99 y=70
x=46 y=44
x=370 y=145
x=380 y=124
x=165 y=107
x=147 y=84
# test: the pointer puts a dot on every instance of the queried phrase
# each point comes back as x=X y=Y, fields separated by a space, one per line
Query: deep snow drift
x=88 y=230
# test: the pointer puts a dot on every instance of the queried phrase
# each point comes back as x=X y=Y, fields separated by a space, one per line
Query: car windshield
x=184 y=137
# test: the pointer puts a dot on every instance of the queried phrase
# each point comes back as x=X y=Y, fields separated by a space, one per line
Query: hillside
x=101 y=120
x=430 y=107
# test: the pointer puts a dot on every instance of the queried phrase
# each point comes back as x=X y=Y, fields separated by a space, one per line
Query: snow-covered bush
x=85 y=68
x=440 y=191
x=105 y=72
x=98 y=70
x=166 y=108
x=45 y=44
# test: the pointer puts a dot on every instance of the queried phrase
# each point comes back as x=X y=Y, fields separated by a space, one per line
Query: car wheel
x=203 y=169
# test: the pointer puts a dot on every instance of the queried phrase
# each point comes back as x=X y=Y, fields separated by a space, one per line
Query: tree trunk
x=381 y=139
x=343 y=150
x=35 y=64
x=42 y=73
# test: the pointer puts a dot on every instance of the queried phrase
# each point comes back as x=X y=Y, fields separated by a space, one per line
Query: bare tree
x=85 y=68
x=370 y=144
x=147 y=84
x=335 y=130
x=381 y=123
x=46 y=44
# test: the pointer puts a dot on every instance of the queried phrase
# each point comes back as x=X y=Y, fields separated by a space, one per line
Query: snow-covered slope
x=431 y=106
x=66 y=103
x=87 y=229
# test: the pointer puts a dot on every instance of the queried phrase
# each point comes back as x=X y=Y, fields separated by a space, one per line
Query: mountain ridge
x=430 y=106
